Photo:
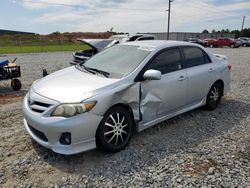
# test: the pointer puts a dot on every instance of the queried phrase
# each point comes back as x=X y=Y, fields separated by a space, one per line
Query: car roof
x=159 y=43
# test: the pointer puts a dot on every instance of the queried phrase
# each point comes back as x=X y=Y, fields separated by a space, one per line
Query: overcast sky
x=46 y=16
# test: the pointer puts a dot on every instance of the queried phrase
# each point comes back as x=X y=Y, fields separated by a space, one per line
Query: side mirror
x=152 y=75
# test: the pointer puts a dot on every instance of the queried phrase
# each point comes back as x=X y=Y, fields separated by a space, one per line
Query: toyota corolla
x=126 y=88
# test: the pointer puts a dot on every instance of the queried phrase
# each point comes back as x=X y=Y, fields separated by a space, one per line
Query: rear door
x=200 y=73
x=160 y=97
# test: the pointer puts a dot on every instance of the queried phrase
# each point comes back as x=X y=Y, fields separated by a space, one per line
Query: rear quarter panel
x=222 y=71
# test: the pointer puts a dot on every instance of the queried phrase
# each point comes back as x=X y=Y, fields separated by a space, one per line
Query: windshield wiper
x=88 y=69
x=104 y=73
x=94 y=71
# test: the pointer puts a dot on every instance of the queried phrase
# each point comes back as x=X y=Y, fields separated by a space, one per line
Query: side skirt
x=142 y=126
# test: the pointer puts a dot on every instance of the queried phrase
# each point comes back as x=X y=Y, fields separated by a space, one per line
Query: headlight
x=70 y=110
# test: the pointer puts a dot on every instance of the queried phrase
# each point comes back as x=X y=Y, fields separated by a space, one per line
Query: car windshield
x=118 y=61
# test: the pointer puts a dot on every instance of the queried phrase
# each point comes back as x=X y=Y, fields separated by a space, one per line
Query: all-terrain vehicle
x=11 y=71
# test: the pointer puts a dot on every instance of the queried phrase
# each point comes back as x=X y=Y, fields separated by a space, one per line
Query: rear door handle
x=181 y=78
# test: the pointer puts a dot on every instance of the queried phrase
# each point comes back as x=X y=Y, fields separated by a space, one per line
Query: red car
x=221 y=42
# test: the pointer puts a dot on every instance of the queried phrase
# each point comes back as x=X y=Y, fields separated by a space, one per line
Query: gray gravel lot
x=196 y=149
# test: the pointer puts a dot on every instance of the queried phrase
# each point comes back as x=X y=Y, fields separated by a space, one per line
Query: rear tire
x=115 y=130
x=214 y=96
x=16 y=84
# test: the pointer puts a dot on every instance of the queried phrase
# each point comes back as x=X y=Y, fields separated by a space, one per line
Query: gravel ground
x=196 y=149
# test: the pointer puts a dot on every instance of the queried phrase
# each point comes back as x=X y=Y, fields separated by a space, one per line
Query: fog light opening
x=65 y=139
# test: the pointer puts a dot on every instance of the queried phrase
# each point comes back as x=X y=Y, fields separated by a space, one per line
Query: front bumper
x=47 y=131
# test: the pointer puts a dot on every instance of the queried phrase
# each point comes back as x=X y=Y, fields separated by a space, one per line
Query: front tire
x=214 y=96
x=115 y=130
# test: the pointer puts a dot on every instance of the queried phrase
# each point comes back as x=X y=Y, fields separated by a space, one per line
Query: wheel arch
x=127 y=108
x=220 y=81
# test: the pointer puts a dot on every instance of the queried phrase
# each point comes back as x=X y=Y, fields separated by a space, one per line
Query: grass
x=42 y=48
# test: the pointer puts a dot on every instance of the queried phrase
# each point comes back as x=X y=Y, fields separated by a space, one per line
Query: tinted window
x=207 y=58
x=146 y=38
x=193 y=57
x=167 y=61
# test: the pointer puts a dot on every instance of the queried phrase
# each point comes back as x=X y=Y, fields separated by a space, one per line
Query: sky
x=132 y=16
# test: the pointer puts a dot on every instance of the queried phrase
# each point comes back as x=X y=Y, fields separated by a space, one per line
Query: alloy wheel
x=116 y=129
x=214 y=96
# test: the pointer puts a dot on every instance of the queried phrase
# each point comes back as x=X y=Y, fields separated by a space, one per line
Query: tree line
x=244 y=33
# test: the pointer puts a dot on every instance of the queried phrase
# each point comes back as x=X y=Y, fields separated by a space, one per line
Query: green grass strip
x=45 y=48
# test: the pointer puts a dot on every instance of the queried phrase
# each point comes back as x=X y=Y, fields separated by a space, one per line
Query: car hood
x=97 y=44
x=71 y=85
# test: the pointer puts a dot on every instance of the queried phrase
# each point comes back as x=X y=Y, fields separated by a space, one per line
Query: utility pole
x=243 y=21
x=169 y=8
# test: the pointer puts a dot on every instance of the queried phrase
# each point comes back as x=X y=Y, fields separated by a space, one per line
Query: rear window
x=194 y=56
x=146 y=38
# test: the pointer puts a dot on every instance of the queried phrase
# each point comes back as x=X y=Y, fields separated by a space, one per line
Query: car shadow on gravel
x=178 y=134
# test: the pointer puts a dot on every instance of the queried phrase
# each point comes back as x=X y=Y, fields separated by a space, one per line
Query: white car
x=128 y=87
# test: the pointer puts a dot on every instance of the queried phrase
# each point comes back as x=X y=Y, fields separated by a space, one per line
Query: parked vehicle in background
x=221 y=42
x=95 y=46
x=208 y=40
x=120 y=38
x=245 y=42
x=139 y=37
x=128 y=87
x=136 y=37
x=195 y=40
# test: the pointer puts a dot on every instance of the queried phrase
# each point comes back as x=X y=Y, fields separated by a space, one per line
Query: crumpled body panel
x=126 y=93
x=151 y=100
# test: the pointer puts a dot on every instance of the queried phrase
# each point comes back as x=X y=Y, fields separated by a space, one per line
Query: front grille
x=38 y=107
x=41 y=104
x=38 y=133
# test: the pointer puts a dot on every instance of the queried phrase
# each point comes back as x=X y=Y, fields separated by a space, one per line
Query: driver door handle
x=181 y=78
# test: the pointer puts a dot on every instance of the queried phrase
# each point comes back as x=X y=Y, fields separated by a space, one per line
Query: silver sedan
x=126 y=88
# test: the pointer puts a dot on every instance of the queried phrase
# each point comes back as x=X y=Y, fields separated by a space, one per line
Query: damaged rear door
x=164 y=96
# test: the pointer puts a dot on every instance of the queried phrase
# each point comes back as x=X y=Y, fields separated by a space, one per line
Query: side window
x=146 y=38
x=207 y=58
x=167 y=61
x=194 y=56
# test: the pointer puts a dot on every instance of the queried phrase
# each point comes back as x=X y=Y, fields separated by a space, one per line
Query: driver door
x=164 y=96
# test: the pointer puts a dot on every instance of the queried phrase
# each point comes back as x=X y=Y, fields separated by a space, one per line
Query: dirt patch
x=199 y=167
x=10 y=99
